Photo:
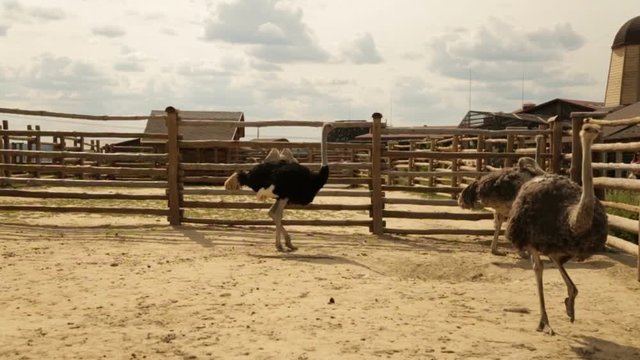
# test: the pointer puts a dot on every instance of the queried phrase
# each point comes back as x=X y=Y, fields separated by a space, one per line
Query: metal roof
x=629 y=34
x=500 y=120
x=198 y=132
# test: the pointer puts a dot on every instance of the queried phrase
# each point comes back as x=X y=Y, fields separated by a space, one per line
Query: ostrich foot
x=279 y=247
x=544 y=326
x=569 y=304
x=287 y=242
x=498 y=252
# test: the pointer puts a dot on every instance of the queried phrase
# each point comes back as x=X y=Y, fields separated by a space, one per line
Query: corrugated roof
x=623 y=132
x=586 y=104
x=198 y=132
x=499 y=120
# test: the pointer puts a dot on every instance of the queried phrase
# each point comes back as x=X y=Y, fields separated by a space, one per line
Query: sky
x=418 y=62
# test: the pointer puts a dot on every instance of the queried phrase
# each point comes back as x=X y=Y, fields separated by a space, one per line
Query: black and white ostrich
x=281 y=177
x=553 y=216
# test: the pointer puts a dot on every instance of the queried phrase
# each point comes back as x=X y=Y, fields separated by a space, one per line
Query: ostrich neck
x=323 y=145
x=582 y=214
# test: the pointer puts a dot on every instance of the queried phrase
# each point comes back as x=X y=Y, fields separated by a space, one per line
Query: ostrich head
x=529 y=164
x=589 y=132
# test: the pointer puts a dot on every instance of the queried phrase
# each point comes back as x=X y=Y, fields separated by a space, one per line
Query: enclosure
x=408 y=271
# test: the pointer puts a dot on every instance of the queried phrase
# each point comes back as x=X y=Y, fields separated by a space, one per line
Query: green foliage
x=623 y=197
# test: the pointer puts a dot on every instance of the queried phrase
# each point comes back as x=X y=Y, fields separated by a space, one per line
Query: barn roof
x=198 y=132
x=499 y=120
x=629 y=34
x=618 y=133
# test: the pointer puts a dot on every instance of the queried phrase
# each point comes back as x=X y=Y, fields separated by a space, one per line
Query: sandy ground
x=87 y=287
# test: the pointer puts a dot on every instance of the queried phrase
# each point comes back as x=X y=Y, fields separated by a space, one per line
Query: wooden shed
x=216 y=155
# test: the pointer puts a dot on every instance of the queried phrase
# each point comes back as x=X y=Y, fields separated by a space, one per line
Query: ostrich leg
x=273 y=213
x=287 y=237
x=538 y=267
x=497 y=224
x=572 y=290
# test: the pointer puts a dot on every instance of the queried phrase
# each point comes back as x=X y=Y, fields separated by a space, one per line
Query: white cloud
x=274 y=33
x=3 y=30
x=110 y=31
x=15 y=11
x=363 y=50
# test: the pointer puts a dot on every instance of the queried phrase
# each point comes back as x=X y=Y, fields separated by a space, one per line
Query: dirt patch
x=78 y=286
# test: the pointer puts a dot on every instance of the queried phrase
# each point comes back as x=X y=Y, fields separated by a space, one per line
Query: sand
x=78 y=286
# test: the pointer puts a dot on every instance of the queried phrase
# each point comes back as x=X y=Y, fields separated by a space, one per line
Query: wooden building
x=215 y=155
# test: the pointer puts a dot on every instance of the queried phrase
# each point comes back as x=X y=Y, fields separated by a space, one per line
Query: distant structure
x=623 y=84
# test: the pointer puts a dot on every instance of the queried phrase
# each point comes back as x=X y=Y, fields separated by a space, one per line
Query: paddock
x=144 y=259
x=107 y=286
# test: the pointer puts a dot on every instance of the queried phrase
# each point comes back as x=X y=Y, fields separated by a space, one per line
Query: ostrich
x=497 y=190
x=553 y=216
x=283 y=178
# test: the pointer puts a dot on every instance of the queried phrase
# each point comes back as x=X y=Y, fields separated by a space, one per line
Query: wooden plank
x=623 y=223
x=428 y=130
x=217 y=192
x=443 y=173
x=77 y=116
x=271 y=123
x=426 y=202
x=78 y=195
x=70 y=182
x=621 y=206
x=173 y=165
x=85 y=209
x=449 y=155
x=376 y=176
x=621 y=244
x=236 y=144
x=94 y=134
x=474 y=232
x=266 y=205
x=334 y=166
x=471 y=216
x=620 y=122
x=221 y=179
x=422 y=189
x=628 y=147
x=85 y=169
x=616 y=183
x=284 y=222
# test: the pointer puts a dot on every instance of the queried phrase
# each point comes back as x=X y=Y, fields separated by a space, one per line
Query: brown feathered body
x=497 y=189
x=540 y=215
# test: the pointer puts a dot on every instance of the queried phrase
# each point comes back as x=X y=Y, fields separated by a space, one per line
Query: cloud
x=363 y=50
x=128 y=66
x=110 y=31
x=15 y=11
x=497 y=56
x=3 y=30
x=273 y=33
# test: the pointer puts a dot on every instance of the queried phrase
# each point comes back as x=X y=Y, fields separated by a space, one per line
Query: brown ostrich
x=497 y=190
x=553 y=216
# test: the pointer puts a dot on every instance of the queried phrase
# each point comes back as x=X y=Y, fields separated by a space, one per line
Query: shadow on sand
x=316 y=259
x=592 y=348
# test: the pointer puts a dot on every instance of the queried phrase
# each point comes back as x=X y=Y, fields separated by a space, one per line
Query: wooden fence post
x=479 y=148
x=6 y=145
x=556 y=146
x=173 y=163
x=576 y=149
x=455 y=147
x=376 y=175
x=508 y=162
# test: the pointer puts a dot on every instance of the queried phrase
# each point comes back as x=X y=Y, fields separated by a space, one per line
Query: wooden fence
x=437 y=166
